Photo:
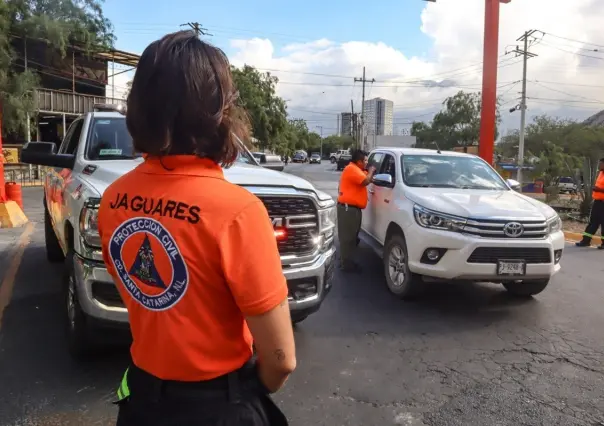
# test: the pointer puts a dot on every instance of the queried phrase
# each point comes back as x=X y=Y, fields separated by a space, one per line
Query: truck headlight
x=327 y=221
x=327 y=214
x=89 y=229
x=554 y=224
x=434 y=220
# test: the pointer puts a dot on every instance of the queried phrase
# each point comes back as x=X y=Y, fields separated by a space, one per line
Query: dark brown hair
x=358 y=155
x=182 y=101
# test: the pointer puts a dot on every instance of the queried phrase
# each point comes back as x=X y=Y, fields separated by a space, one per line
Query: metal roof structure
x=111 y=55
x=119 y=57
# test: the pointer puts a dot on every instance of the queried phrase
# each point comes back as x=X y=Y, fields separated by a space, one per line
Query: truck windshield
x=109 y=140
x=443 y=171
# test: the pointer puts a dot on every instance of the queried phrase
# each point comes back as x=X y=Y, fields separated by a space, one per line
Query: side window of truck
x=389 y=167
x=375 y=160
x=72 y=138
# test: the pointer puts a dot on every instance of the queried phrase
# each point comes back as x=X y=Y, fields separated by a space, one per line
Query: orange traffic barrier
x=13 y=193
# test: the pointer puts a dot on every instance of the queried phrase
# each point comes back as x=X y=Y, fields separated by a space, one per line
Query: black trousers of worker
x=596 y=220
x=349 y=225
x=236 y=399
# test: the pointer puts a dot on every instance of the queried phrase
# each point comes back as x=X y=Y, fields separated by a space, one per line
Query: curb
x=573 y=236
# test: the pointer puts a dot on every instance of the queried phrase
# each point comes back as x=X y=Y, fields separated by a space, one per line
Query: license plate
x=511 y=267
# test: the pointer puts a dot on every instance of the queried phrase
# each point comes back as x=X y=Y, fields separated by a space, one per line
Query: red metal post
x=489 y=80
x=2 y=190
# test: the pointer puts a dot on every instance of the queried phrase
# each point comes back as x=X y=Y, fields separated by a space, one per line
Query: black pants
x=236 y=399
x=349 y=225
x=596 y=220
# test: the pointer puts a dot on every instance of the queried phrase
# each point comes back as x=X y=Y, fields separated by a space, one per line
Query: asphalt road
x=463 y=354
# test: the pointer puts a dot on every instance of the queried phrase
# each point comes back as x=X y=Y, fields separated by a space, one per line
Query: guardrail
x=25 y=174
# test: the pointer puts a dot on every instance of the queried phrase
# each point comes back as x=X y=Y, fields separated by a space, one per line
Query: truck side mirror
x=45 y=154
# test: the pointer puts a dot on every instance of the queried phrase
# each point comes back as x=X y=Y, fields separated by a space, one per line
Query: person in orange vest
x=194 y=256
x=596 y=217
x=352 y=199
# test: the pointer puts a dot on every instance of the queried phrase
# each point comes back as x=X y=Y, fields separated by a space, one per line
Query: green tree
x=423 y=134
x=332 y=143
x=60 y=23
x=266 y=110
x=457 y=124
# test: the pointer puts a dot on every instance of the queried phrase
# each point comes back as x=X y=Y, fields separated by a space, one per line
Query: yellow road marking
x=8 y=283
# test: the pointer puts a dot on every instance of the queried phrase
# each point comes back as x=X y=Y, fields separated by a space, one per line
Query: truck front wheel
x=332 y=159
x=77 y=327
x=400 y=280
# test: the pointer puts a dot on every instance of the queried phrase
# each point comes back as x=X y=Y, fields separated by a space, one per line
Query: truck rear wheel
x=54 y=252
x=400 y=280
x=526 y=288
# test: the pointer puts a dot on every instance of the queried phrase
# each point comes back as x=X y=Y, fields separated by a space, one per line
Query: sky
x=317 y=48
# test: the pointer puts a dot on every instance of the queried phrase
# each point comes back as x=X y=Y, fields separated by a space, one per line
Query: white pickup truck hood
x=472 y=203
x=240 y=174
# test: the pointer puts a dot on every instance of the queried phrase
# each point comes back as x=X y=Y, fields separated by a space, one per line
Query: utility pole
x=321 y=149
x=338 y=128
x=196 y=26
x=363 y=80
x=354 y=124
x=525 y=54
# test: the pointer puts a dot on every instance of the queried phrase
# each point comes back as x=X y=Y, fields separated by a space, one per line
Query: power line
x=569 y=100
x=570 y=39
x=565 y=93
x=573 y=53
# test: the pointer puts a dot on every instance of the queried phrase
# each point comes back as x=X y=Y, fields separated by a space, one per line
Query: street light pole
x=321 y=148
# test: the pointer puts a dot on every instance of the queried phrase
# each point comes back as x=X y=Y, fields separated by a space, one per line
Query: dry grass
x=575 y=226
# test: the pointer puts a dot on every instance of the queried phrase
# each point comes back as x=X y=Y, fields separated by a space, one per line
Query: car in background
x=335 y=156
x=269 y=161
x=315 y=158
x=343 y=161
x=300 y=157
x=567 y=184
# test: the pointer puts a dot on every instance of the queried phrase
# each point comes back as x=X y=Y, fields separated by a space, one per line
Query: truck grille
x=493 y=228
x=299 y=240
x=492 y=254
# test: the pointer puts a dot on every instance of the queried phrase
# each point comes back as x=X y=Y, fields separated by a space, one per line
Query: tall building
x=378 y=117
x=347 y=122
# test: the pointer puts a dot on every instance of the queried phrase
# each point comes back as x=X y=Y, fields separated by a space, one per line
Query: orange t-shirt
x=351 y=191
x=191 y=255
x=600 y=184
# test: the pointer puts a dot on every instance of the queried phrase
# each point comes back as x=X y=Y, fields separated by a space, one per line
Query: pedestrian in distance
x=193 y=256
x=352 y=199
x=596 y=217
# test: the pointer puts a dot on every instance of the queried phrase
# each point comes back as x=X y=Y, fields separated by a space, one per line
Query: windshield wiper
x=117 y=157
x=489 y=188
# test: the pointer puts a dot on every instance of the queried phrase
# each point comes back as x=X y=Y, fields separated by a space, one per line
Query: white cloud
x=117 y=85
x=456 y=30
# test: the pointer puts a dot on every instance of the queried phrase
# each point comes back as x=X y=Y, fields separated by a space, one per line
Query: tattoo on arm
x=280 y=355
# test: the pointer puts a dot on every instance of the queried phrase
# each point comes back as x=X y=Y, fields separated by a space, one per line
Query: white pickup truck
x=96 y=150
x=448 y=216
x=335 y=156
